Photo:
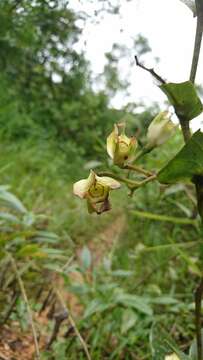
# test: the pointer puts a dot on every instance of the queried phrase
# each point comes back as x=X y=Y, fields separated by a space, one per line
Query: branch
x=59 y=318
x=139 y=170
x=150 y=70
x=198 y=40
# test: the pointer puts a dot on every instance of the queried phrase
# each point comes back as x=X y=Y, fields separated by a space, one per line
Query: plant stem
x=198 y=179
x=150 y=70
x=185 y=127
x=22 y=288
x=198 y=40
x=73 y=324
x=139 y=170
x=198 y=302
x=149 y=179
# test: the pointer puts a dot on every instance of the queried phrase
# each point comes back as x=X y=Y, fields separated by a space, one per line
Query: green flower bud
x=120 y=147
x=160 y=130
x=95 y=189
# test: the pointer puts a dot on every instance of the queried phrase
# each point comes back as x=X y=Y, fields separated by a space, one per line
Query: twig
x=22 y=288
x=59 y=318
x=150 y=70
x=198 y=40
x=46 y=301
x=51 y=312
x=139 y=170
x=198 y=302
x=150 y=178
x=73 y=324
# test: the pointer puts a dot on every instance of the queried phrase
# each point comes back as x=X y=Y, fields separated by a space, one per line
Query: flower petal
x=125 y=139
x=111 y=143
x=108 y=181
x=81 y=187
x=132 y=148
x=91 y=207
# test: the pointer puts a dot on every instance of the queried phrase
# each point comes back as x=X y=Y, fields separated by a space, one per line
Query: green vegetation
x=115 y=286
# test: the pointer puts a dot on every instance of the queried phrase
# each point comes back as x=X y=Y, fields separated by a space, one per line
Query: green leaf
x=12 y=201
x=184 y=98
x=86 y=258
x=30 y=250
x=46 y=237
x=136 y=302
x=96 y=306
x=164 y=300
x=9 y=217
x=187 y=163
x=122 y=273
x=129 y=319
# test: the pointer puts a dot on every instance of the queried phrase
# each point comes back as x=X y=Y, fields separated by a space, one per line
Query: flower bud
x=95 y=190
x=120 y=147
x=160 y=130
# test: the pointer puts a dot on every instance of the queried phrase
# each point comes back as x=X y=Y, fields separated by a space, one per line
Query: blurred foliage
x=45 y=82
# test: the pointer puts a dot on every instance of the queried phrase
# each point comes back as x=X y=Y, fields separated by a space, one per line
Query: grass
x=142 y=282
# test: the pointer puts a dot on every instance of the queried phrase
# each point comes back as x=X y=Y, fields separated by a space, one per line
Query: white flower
x=95 y=189
x=160 y=130
x=120 y=147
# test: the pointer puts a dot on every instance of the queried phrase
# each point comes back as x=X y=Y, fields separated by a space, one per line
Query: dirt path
x=99 y=246
x=17 y=346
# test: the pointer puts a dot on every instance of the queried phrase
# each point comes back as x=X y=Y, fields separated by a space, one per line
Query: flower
x=95 y=189
x=172 y=357
x=120 y=147
x=160 y=130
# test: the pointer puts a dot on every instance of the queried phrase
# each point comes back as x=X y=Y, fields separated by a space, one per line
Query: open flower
x=95 y=189
x=120 y=147
x=160 y=130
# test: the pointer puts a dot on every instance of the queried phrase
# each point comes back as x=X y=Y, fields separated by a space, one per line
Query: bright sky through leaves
x=167 y=24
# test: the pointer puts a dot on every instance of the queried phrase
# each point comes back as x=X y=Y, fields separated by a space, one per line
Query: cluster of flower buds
x=122 y=150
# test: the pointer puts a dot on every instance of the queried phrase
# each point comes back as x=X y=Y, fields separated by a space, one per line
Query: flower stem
x=139 y=169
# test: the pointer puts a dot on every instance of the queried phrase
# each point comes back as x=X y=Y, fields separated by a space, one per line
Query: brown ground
x=17 y=346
